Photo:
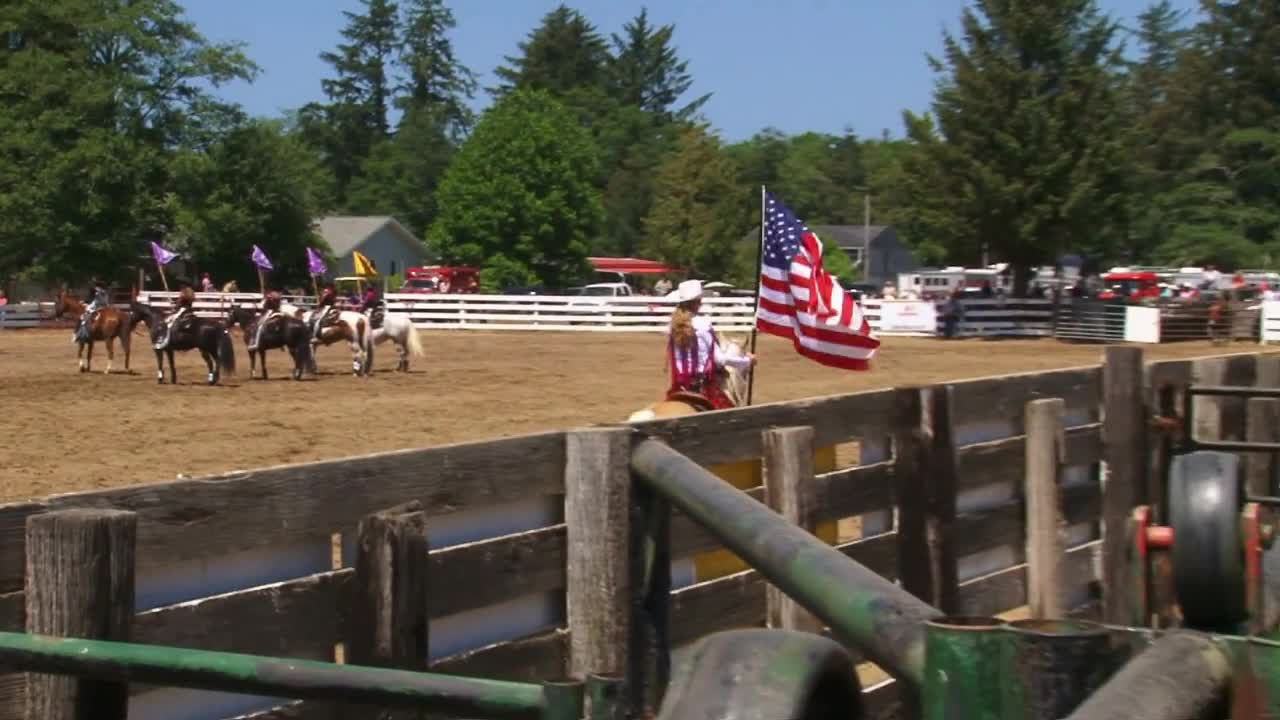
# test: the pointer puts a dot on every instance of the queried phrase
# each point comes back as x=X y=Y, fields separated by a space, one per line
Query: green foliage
x=1023 y=152
x=563 y=54
x=402 y=174
x=701 y=209
x=437 y=83
x=517 y=200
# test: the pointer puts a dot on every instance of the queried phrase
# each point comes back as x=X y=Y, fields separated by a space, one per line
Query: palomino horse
x=289 y=333
x=210 y=337
x=351 y=326
x=733 y=382
x=398 y=329
x=108 y=324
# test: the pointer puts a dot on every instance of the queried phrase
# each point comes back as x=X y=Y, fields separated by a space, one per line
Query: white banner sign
x=911 y=316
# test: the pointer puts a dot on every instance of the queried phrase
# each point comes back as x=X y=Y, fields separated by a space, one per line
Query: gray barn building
x=889 y=255
x=382 y=239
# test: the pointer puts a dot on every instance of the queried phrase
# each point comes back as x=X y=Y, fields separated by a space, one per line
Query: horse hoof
x=212 y=379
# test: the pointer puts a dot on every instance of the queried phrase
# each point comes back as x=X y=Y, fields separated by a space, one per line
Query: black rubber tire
x=1206 y=496
x=764 y=675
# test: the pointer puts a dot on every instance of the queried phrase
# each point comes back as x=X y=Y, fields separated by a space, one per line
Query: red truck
x=432 y=279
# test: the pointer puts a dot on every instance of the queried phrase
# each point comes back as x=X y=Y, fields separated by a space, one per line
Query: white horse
x=351 y=326
x=400 y=330
x=734 y=382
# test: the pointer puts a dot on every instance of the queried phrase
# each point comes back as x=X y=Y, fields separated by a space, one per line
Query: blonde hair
x=682 y=323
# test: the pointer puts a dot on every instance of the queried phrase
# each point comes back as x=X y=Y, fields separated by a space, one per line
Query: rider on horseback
x=182 y=318
x=371 y=306
x=270 y=310
x=95 y=301
x=694 y=350
x=324 y=309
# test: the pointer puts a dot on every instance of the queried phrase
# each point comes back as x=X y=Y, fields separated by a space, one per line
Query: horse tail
x=226 y=352
x=413 y=343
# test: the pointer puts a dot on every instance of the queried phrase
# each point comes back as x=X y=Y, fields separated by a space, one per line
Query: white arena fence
x=576 y=313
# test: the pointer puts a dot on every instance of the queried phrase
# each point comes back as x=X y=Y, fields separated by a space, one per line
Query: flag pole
x=163 y=280
x=751 y=380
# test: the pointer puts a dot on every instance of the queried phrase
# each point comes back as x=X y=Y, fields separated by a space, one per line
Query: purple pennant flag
x=162 y=256
x=315 y=263
x=260 y=258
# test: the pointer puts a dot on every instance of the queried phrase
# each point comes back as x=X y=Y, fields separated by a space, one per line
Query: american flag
x=801 y=302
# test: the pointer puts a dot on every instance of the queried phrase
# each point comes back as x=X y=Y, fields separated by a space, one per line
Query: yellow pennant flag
x=364 y=266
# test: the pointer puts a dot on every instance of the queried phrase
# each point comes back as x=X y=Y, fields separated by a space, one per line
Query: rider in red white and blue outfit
x=693 y=349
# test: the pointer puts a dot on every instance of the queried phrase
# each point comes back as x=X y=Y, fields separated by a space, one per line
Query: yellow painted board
x=744 y=476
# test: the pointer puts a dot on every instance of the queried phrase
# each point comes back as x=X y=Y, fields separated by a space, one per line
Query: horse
x=210 y=337
x=351 y=326
x=734 y=382
x=290 y=333
x=400 y=330
x=108 y=324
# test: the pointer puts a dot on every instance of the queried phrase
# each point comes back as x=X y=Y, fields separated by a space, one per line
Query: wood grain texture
x=1002 y=461
x=530 y=659
x=13 y=612
x=1007 y=589
x=597 y=479
x=387 y=625
x=489 y=572
x=727 y=436
x=789 y=491
x=926 y=496
x=1005 y=525
x=1045 y=455
x=851 y=492
x=1003 y=398
x=80 y=583
x=1125 y=438
x=191 y=520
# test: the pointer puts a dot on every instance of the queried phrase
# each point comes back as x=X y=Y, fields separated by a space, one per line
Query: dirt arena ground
x=67 y=431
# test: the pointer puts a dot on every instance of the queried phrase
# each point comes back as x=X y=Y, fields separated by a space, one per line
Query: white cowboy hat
x=688 y=290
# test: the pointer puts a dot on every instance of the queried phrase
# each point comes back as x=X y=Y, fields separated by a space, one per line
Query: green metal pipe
x=862 y=609
x=961 y=654
x=562 y=700
x=1053 y=665
x=1181 y=675
x=605 y=693
x=276 y=677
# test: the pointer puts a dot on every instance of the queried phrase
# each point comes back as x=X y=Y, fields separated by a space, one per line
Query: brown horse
x=734 y=382
x=108 y=324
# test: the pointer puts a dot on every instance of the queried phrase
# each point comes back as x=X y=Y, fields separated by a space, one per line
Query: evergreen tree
x=701 y=210
x=1027 y=157
x=564 y=54
x=518 y=200
x=355 y=119
x=402 y=175
x=646 y=72
x=437 y=82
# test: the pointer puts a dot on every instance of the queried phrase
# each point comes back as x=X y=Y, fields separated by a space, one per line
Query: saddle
x=697 y=400
x=375 y=315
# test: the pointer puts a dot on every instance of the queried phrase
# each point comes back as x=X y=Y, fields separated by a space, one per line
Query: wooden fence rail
x=221 y=563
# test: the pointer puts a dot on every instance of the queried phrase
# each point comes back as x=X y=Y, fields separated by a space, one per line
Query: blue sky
x=796 y=64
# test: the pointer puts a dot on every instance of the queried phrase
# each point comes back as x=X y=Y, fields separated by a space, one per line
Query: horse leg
x=264 y=363
x=160 y=366
x=211 y=363
x=111 y=354
x=403 y=365
x=80 y=356
x=173 y=371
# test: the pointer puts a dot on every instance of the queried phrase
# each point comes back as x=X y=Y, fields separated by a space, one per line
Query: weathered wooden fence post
x=617 y=586
x=1045 y=456
x=79 y=583
x=1124 y=438
x=388 y=626
x=926 y=468
x=789 y=486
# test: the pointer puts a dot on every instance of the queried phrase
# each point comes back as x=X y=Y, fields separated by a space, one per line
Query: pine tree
x=701 y=210
x=436 y=81
x=360 y=92
x=1027 y=158
x=646 y=72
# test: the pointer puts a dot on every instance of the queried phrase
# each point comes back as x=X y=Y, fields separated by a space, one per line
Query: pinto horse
x=351 y=326
x=289 y=333
x=400 y=330
x=210 y=337
x=733 y=381
x=108 y=324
